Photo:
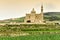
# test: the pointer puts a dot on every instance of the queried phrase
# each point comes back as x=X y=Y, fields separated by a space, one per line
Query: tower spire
x=42 y=8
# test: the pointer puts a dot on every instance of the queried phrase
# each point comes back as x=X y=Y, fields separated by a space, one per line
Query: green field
x=34 y=37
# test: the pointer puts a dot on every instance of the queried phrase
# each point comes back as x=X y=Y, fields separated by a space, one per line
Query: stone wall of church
x=34 y=18
x=27 y=17
x=38 y=18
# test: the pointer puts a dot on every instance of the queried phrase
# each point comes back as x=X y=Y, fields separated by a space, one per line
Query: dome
x=33 y=11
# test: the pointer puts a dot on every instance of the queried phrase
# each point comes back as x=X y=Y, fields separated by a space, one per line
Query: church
x=34 y=17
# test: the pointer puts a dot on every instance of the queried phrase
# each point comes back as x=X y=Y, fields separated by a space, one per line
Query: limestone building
x=33 y=17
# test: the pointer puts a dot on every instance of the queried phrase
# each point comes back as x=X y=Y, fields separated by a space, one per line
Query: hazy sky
x=18 y=8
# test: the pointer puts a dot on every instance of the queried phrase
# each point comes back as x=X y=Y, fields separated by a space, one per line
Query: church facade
x=33 y=17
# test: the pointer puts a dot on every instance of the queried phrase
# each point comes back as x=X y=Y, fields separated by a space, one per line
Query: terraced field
x=30 y=32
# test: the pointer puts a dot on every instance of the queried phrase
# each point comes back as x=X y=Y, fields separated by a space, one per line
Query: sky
x=19 y=8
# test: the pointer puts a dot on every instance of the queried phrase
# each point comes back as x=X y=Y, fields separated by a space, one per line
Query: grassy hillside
x=13 y=20
x=49 y=16
x=16 y=20
x=52 y=16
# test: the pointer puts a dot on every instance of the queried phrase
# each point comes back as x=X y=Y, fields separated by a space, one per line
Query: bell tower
x=41 y=8
x=41 y=13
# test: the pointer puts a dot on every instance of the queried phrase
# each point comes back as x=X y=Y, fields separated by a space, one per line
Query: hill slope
x=52 y=16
